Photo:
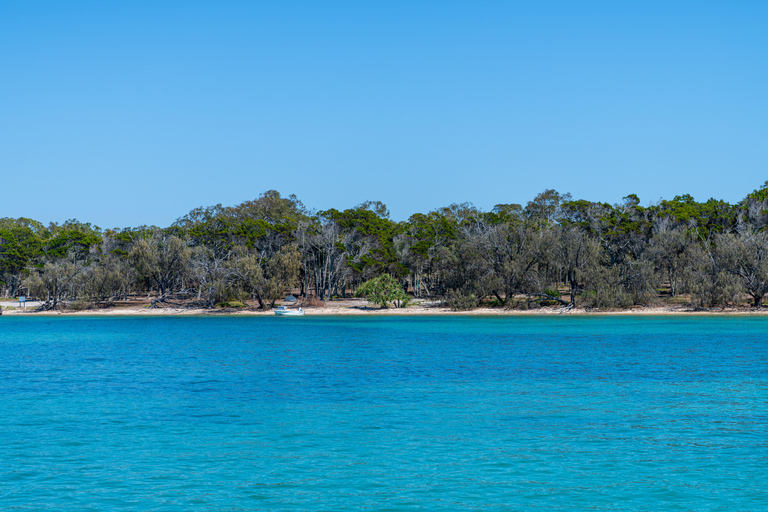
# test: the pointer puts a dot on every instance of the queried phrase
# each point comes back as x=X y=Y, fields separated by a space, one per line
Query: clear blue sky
x=129 y=113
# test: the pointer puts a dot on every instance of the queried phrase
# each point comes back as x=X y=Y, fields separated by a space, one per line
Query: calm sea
x=425 y=413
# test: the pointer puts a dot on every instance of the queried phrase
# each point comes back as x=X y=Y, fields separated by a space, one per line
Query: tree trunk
x=572 y=286
x=259 y=299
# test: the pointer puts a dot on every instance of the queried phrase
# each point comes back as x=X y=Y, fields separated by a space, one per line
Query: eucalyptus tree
x=246 y=273
x=464 y=272
x=622 y=229
x=575 y=255
x=64 y=253
x=753 y=210
x=509 y=250
x=264 y=224
x=55 y=281
x=282 y=273
x=21 y=243
x=266 y=283
x=620 y=285
x=165 y=261
x=106 y=279
x=430 y=242
x=674 y=252
x=376 y=207
x=546 y=208
x=370 y=238
x=712 y=216
x=325 y=260
x=705 y=279
x=73 y=240
x=212 y=273
x=745 y=255
x=210 y=227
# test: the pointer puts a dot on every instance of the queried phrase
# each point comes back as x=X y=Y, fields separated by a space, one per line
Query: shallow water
x=423 y=413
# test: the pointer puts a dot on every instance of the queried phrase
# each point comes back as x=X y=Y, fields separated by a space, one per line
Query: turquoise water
x=425 y=413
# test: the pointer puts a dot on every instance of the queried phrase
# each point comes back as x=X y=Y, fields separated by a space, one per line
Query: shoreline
x=355 y=308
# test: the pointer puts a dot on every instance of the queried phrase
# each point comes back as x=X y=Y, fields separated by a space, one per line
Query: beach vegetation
x=384 y=290
x=462 y=300
x=231 y=304
x=553 y=250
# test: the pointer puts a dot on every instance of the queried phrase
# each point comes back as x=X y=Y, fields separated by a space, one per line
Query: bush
x=382 y=290
x=78 y=305
x=610 y=298
x=231 y=304
x=461 y=300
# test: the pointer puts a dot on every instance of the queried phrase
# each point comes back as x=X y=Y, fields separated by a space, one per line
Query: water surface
x=350 y=413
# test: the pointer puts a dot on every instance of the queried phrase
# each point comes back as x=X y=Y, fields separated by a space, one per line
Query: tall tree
x=164 y=259
x=745 y=255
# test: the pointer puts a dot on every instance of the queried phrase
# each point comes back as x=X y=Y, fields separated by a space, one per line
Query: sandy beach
x=360 y=307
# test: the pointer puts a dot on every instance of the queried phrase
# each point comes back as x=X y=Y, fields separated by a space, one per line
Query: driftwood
x=167 y=299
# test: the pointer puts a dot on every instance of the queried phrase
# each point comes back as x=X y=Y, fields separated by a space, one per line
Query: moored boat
x=284 y=311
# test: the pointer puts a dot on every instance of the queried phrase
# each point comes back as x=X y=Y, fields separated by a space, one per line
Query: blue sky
x=129 y=113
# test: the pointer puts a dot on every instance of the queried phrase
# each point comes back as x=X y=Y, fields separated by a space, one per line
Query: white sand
x=361 y=307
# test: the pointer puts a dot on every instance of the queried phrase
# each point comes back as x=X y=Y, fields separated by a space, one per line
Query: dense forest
x=554 y=250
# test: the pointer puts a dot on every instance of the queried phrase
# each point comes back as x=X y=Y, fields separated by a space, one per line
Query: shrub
x=231 y=304
x=382 y=290
x=79 y=305
x=461 y=300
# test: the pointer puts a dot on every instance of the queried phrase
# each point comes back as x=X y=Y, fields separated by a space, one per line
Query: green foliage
x=231 y=304
x=78 y=305
x=708 y=217
x=72 y=237
x=383 y=290
x=504 y=213
x=263 y=222
x=429 y=231
x=711 y=253
x=281 y=273
x=459 y=300
x=760 y=194
x=21 y=242
x=376 y=233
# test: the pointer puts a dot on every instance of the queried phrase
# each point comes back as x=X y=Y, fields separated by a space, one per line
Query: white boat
x=284 y=311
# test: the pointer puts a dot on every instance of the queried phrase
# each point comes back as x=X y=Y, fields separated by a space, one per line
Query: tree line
x=553 y=250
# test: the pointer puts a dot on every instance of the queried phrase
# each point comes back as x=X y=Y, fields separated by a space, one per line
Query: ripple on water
x=453 y=413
